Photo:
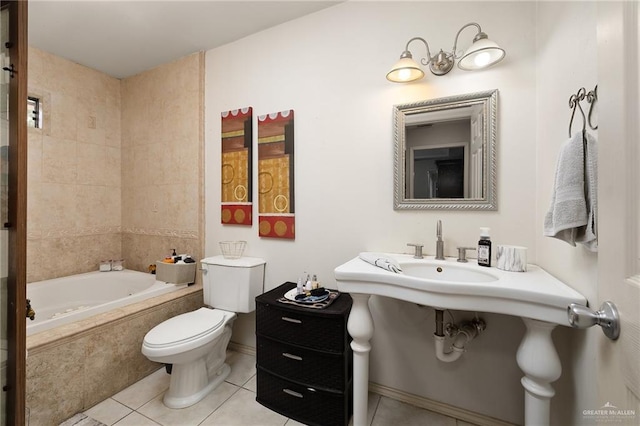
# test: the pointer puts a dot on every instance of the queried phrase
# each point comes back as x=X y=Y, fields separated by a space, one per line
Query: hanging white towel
x=379 y=260
x=573 y=211
x=588 y=234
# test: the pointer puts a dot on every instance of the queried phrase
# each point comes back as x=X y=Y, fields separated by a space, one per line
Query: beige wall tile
x=59 y=204
x=63 y=114
x=180 y=160
x=34 y=155
x=97 y=207
x=91 y=164
x=34 y=261
x=34 y=210
x=55 y=383
x=143 y=250
x=117 y=154
x=149 y=167
x=59 y=160
x=36 y=60
x=113 y=163
x=112 y=118
x=182 y=212
x=113 y=348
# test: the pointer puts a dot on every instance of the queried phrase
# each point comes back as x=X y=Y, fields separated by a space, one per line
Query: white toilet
x=196 y=342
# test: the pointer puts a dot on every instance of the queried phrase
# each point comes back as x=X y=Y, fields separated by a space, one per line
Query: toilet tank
x=232 y=284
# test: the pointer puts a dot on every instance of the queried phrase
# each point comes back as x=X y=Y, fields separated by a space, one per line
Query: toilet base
x=190 y=383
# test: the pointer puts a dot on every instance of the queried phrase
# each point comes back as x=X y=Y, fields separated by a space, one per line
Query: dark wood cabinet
x=304 y=359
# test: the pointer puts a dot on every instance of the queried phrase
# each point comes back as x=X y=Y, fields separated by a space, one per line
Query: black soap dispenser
x=484 y=248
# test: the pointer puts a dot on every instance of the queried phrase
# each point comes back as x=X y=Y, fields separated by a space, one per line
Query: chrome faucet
x=439 y=242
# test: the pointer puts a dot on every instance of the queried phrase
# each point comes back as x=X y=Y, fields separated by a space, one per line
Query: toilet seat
x=185 y=328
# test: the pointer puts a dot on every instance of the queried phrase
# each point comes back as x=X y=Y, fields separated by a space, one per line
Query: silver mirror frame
x=489 y=102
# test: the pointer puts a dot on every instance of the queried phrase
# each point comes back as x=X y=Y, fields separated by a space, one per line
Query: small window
x=33 y=112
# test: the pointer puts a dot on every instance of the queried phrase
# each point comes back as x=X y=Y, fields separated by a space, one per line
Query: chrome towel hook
x=592 y=97
x=574 y=102
x=607 y=317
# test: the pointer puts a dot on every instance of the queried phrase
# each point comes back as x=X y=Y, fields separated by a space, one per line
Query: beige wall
x=74 y=162
x=162 y=206
x=116 y=170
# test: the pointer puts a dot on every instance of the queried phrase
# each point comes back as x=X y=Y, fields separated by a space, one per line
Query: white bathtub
x=65 y=300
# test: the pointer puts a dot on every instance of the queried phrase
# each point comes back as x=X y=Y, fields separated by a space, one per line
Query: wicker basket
x=232 y=249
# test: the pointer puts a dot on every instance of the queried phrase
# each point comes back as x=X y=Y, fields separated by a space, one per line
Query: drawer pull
x=293 y=320
x=293 y=393
x=291 y=356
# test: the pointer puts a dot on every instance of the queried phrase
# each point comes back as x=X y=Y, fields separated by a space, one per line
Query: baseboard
x=437 y=407
x=243 y=349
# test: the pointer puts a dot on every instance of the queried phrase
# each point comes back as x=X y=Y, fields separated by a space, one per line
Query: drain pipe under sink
x=461 y=334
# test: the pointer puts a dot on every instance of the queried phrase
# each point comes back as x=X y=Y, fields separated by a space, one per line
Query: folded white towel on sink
x=381 y=261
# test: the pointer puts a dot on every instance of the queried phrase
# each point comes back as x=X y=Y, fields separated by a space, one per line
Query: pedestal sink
x=537 y=297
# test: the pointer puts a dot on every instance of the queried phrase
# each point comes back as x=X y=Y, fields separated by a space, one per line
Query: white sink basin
x=446 y=272
x=448 y=284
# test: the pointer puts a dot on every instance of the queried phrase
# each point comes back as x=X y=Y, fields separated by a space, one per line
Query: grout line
x=223 y=402
x=149 y=418
x=375 y=410
x=120 y=403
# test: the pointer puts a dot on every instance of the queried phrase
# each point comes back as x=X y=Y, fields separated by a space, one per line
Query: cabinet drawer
x=317 y=369
x=322 y=333
x=302 y=403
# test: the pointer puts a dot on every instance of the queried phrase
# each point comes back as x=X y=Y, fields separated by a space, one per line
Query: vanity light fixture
x=481 y=54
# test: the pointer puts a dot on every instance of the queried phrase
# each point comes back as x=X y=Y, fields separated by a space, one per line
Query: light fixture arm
x=439 y=64
x=455 y=43
x=422 y=60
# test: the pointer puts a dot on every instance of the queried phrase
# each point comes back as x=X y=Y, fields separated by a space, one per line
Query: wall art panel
x=275 y=175
x=236 y=171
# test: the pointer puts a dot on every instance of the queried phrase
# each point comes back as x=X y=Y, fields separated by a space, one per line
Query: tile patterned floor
x=233 y=403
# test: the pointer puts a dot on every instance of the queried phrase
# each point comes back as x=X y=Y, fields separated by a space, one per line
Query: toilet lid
x=184 y=328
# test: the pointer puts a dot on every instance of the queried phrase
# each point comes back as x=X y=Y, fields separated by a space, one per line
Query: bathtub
x=61 y=301
x=76 y=358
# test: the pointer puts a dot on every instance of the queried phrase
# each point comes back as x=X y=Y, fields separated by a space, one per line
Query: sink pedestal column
x=538 y=359
x=360 y=326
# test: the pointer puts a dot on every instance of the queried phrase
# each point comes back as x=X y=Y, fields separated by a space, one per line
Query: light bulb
x=482 y=59
x=404 y=74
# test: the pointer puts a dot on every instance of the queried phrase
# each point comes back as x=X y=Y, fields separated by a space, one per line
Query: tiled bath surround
x=162 y=162
x=73 y=367
x=115 y=172
x=74 y=169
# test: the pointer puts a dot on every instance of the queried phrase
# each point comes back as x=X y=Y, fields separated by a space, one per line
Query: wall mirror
x=445 y=153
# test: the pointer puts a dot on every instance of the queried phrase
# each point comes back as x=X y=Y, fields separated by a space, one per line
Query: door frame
x=618 y=208
x=17 y=272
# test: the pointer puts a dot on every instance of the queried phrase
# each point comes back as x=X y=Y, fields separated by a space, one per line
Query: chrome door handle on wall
x=607 y=317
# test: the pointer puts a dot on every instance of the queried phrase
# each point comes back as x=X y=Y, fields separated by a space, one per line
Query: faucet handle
x=418 y=250
x=462 y=253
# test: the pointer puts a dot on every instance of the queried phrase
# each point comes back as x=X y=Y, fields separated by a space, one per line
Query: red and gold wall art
x=237 y=140
x=275 y=175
